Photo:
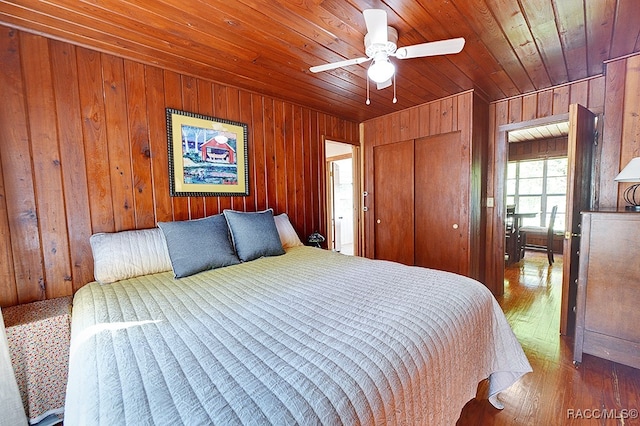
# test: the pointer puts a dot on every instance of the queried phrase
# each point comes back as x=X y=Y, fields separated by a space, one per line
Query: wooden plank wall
x=538 y=149
x=453 y=113
x=84 y=150
x=621 y=133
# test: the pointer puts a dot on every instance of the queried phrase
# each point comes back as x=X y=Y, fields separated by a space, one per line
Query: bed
x=304 y=337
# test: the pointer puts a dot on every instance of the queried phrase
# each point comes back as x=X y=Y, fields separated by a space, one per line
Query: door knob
x=455 y=226
x=378 y=221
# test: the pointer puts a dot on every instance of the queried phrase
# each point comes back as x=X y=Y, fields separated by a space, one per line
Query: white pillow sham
x=288 y=235
x=127 y=254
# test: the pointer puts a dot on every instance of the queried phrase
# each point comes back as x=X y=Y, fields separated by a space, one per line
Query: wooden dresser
x=607 y=314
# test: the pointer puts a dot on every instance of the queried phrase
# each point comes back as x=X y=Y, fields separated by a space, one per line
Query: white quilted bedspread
x=310 y=337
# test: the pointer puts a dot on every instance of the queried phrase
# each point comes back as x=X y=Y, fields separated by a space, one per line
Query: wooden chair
x=548 y=230
x=509 y=222
x=511 y=240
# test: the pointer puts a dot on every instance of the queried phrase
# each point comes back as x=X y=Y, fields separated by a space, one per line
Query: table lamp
x=316 y=239
x=631 y=173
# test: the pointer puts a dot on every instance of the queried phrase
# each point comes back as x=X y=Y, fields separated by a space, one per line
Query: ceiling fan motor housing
x=388 y=48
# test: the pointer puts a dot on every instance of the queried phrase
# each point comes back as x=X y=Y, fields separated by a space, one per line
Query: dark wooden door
x=393 y=201
x=442 y=179
x=579 y=159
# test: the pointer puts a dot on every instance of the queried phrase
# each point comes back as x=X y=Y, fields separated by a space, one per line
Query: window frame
x=544 y=195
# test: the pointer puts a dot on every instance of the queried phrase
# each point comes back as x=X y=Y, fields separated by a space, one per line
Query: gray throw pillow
x=198 y=245
x=254 y=234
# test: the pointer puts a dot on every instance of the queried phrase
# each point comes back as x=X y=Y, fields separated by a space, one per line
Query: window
x=537 y=186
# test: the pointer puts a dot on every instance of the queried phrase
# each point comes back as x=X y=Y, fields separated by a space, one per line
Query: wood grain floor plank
x=596 y=392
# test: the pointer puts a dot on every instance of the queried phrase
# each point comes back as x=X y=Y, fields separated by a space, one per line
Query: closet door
x=442 y=188
x=393 y=201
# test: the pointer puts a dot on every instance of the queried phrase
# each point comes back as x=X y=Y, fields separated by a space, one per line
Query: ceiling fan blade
x=376 y=21
x=383 y=85
x=442 y=47
x=334 y=65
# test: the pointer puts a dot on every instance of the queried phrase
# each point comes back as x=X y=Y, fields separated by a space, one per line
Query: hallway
x=557 y=392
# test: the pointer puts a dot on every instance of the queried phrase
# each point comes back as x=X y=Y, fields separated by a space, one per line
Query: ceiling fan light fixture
x=380 y=42
x=381 y=70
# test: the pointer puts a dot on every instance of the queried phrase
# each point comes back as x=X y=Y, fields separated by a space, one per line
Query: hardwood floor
x=597 y=392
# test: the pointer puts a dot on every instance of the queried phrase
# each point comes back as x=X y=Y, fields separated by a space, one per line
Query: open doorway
x=581 y=149
x=536 y=188
x=342 y=189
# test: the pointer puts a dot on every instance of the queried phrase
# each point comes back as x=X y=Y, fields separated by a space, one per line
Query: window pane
x=530 y=205
x=557 y=200
x=561 y=202
x=558 y=225
x=557 y=167
x=528 y=189
x=510 y=201
x=530 y=186
x=557 y=185
x=529 y=169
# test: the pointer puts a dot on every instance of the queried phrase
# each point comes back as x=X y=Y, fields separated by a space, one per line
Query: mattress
x=309 y=337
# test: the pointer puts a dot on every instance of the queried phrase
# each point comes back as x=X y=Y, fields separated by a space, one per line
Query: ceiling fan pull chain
x=394 y=89
x=368 y=101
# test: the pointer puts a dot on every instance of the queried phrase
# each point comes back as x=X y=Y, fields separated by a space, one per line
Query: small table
x=517 y=219
x=39 y=335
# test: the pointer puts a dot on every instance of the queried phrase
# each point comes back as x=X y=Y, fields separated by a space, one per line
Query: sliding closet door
x=393 y=201
x=442 y=179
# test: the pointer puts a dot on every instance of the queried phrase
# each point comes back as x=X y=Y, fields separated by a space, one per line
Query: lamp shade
x=631 y=173
x=381 y=70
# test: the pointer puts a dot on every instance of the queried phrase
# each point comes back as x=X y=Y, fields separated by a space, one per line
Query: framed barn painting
x=207 y=155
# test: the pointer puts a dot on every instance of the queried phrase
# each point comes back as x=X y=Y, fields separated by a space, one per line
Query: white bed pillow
x=127 y=254
x=288 y=235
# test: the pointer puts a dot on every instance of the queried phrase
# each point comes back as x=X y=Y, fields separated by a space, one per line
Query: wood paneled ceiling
x=267 y=46
x=548 y=131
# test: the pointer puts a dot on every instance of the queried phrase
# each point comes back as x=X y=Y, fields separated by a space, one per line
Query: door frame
x=499 y=209
x=500 y=198
x=356 y=159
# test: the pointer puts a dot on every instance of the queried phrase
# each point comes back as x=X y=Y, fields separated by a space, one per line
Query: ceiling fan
x=380 y=43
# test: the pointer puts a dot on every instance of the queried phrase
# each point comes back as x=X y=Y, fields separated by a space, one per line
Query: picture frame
x=208 y=156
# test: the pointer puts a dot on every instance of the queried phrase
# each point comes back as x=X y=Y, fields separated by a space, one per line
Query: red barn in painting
x=217 y=150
